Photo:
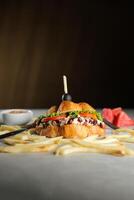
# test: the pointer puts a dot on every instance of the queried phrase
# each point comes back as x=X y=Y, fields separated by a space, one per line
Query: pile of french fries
x=114 y=144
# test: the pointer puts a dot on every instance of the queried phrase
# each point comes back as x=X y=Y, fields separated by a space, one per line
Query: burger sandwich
x=70 y=120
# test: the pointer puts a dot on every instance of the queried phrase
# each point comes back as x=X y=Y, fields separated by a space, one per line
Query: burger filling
x=76 y=117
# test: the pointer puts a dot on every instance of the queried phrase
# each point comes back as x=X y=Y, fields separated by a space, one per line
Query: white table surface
x=40 y=176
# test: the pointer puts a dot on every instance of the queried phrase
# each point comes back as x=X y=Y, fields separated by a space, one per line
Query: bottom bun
x=71 y=131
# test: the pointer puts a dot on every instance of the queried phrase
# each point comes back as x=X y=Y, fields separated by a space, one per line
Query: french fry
x=129 y=152
x=124 y=130
x=23 y=139
x=2 y=132
x=8 y=128
x=25 y=142
x=28 y=148
x=116 y=151
x=124 y=138
x=91 y=138
x=128 y=140
x=79 y=146
x=106 y=140
x=68 y=149
x=12 y=141
x=33 y=141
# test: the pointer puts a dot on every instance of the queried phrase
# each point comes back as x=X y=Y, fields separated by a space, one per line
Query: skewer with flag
x=66 y=96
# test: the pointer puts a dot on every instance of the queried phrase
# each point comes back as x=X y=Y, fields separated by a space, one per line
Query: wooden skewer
x=65 y=84
x=66 y=96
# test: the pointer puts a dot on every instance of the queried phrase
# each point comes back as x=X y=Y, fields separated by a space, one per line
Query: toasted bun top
x=68 y=106
x=52 y=109
x=86 y=106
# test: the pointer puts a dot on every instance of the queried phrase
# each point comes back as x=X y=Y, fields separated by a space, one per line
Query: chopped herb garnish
x=73 y=114
x=99 y=116
x=49 y=115
x=31 y=132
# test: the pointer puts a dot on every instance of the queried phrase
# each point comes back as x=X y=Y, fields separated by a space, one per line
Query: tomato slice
x=53 y=118
x=90 y=115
